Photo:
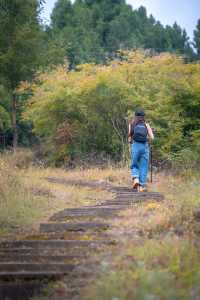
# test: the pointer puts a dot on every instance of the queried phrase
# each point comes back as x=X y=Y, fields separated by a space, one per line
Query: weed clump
x=17 y=203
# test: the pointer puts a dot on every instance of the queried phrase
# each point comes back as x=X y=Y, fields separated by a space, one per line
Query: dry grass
x=28 y=198
x=18 y=205
x=157 y=256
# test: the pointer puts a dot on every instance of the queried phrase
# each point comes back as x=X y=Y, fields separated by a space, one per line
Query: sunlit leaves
x=96 y=103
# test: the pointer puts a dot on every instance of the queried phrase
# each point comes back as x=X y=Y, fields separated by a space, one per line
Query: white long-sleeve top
x=150 y=131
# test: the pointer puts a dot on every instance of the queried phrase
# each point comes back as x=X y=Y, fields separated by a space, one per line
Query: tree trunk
x=14 y=121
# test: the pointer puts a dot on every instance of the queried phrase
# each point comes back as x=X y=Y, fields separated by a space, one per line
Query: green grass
x=166 y=270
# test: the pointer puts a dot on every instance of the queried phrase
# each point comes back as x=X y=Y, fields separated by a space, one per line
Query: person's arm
x=150 y=132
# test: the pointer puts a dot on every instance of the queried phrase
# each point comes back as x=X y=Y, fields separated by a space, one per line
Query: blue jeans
x=140 y=161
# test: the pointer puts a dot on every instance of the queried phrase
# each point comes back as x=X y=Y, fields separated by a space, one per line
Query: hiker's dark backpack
x=139 y=132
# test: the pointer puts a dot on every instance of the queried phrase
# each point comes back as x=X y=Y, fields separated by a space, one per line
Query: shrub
x=87 y=110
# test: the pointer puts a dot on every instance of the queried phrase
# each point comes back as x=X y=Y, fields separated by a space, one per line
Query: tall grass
x=167 y=270
x=162 y=265
x=28 y=198
x=17 y=204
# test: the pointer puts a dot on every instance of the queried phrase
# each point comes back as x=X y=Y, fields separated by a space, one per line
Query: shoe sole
x=136 y=186
x=144 y=191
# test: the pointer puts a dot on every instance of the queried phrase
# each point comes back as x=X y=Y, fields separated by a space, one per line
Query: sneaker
x=135 y=183
x=142 y=189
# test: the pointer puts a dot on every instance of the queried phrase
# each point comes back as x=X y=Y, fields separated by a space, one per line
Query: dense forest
x=92 y=31
x=72 y=86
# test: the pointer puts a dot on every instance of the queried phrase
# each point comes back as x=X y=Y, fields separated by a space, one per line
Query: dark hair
x=137 y=120
x=139 y=113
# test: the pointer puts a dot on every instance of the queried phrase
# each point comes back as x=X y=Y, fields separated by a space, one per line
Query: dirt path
x=68 y=248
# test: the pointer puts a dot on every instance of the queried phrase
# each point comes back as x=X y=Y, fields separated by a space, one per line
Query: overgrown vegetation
x=167 y=269
x=159 y=257
x=18 y=205
x=79 y=32
x=79 y=113
x=28 y=198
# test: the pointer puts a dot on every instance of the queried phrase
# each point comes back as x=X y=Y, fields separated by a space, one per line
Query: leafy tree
x=155 y=37
x=76 y=113
x=197 y=39
x=177 y=40
x=93 y=31
x=19 y=36
x=62 y=14
x=4 y=107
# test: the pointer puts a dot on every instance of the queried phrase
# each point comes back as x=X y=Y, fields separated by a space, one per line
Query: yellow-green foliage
x=4 y=119
x=76 y=112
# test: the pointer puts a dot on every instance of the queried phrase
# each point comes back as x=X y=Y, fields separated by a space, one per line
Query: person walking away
x=139 y=134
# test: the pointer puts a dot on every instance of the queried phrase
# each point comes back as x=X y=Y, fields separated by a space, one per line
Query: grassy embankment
x=157 y=256
x=28 y=198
